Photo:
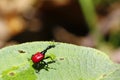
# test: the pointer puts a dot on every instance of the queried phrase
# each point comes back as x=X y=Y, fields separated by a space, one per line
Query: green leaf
x=71 y=63
x=112 y=76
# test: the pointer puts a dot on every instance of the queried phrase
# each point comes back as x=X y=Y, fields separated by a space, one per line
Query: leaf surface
x=71 y=63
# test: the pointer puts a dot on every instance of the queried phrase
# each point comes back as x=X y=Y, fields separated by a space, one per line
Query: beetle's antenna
x=49 y=47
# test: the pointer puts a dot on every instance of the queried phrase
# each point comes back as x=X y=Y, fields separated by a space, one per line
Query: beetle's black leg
x=45 y=64
x=48 y=57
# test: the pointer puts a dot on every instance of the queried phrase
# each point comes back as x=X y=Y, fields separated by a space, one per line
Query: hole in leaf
x=21 y=51
x=104 y=75
x=61 y=58
x=11 y=73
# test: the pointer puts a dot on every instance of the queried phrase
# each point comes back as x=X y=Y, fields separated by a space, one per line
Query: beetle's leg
x=48 y=57
x=44 y=63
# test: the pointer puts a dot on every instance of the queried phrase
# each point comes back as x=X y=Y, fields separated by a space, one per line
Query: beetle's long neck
x=49 y=47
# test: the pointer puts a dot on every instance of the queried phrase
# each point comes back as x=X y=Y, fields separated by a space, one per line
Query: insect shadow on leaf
x=43 y=65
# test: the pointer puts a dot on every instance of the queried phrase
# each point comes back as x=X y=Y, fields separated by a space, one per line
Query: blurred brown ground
x=58 y=20
x=40 y=19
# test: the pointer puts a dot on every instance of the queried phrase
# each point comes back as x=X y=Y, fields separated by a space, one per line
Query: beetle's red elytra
x=37 y=57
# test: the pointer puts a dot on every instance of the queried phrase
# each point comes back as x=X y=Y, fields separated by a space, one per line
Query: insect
x=39 y=56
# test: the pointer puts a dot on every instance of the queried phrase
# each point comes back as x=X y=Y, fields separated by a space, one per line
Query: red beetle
x=39 y=56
